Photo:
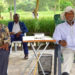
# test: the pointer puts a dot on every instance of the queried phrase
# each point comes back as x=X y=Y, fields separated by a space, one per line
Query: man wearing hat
x=4 y=49
x=64 y=34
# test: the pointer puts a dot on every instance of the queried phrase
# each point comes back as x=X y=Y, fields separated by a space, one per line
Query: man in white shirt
x=17 y=30
x=64 y=34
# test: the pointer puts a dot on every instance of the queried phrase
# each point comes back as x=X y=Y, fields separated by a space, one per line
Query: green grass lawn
x=28 y=15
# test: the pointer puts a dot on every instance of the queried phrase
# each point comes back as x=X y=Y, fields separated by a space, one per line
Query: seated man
x=64 y=34
x=4 y=49
x=17 y=30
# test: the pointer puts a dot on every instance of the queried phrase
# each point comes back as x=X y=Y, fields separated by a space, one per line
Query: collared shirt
x=65 y=32
x=16 y=28
x=4 y=35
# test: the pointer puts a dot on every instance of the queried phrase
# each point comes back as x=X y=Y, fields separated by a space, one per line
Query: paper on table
x=48 y=38
x=27 y=38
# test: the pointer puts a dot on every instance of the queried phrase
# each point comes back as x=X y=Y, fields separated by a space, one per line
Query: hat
x=67 y=9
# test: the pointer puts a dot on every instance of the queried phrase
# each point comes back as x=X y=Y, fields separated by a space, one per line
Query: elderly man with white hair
x=64 y=34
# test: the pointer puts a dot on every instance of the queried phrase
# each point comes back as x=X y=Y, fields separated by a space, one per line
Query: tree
x=65 y=3
x=46 y=5
x=52 y=4
x=1 y=7
x=73 y=2
x=26 y=6
x=42 y=5
x=10 y=3
x=36 y=9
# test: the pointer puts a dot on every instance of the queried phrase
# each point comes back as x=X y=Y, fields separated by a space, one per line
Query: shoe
x=65 y=73
x=26 y=56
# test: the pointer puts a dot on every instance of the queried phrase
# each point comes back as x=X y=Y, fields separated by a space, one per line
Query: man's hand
x=5 y=46
x=63 y=43
x=12 y=33
x=18 y=34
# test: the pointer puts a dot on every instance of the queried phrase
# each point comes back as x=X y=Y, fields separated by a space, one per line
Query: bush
x=10 y=8
x=27 y=6
x=45 y=25
x=65 y=3
x=4 y=22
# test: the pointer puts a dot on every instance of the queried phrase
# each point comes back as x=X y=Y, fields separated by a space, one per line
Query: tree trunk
x=11 y=12
x=36 y=9
x=0 y=14
x=11 y=15
x=55 y=10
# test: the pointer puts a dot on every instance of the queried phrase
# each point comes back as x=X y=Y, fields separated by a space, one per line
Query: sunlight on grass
x=28 y=15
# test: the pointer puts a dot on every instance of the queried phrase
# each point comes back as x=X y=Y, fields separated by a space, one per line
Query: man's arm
x=23 y=27
x=10 y=28
x=58 y=37
x=7 y=41
x=5 y=46
x=18 y=34
x=11 y=33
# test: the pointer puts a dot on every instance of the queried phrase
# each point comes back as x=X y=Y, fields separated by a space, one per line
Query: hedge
x=45 y=25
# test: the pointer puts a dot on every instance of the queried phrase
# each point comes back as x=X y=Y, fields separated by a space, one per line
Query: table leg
x=39 y=57
x=36 y=57
x=59 y=60
x=31 y=60
x=57 y=53
x=55 y=59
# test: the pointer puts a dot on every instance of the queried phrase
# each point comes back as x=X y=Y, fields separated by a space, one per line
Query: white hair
x=67 y=9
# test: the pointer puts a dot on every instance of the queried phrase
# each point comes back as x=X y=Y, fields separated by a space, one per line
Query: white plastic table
x=31 y=40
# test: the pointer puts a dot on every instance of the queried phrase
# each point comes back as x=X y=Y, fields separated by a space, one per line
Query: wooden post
x=14 y=6
x=36 y=9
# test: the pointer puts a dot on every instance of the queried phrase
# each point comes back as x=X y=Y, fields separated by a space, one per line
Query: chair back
x=57 y=19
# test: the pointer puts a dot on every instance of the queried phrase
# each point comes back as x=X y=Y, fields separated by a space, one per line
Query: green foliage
x=51 y=4
x=45 y=25
x=1 y=6
x=65 y=3
x=32 y=25
x=10 y=2
x=29 y=6
x=10 y=8
x=26 y=6
x=44 y=5
x=4 y=22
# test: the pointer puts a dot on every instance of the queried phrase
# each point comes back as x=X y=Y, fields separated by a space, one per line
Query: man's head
x=68 y=14
x=16 y=18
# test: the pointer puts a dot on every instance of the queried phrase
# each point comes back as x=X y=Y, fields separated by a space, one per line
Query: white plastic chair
x=15 y=43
